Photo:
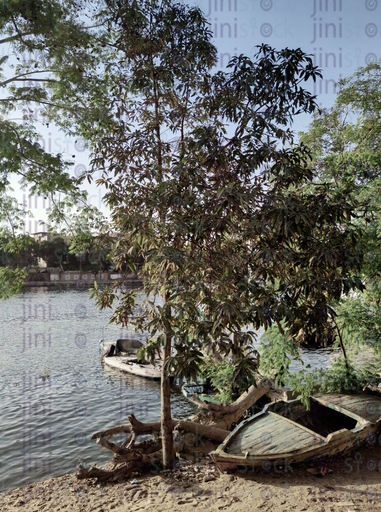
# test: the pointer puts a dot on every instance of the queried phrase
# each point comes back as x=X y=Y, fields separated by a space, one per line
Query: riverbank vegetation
x=346 y=157
x=24 y=252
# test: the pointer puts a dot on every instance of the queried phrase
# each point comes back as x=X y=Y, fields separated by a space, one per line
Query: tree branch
x=14 y=38
x=17 y=77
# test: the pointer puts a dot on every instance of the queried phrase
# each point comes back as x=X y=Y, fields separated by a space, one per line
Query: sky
x=340 y=35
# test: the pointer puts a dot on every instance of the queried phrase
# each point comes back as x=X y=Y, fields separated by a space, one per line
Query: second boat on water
x=122 y=355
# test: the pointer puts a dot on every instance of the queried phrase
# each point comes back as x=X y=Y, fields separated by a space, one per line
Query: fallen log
x=372 y=390
x=209 y=432
x=101 y=474
x=119 y=472
x=147 y=447
x=220 y=419
x=274 y=395
x=243 y=402
x=222 y=416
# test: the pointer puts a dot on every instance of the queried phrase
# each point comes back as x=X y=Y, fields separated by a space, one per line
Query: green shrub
x=221 y=377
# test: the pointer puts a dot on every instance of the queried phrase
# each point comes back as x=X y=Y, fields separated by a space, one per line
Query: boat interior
x=321 y=419
x=134 y=360
x=127 y=346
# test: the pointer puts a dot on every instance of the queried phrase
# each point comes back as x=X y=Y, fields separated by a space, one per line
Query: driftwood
x=274 y=395
x=94 y=472
x=190 y=436
x=372 y=390
x=223 y=416
x=131 y=457
x=208 y=432
x=119 y=471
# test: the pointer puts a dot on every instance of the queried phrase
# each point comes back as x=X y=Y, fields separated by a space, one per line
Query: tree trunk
x=166 y=419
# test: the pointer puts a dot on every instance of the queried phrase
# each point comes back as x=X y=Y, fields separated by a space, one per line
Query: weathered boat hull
x=128 y=362
x=201 y=391
x=124 y=365
x=277 y=437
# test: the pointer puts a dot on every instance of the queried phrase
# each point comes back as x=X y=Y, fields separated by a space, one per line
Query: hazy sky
x=341 y=34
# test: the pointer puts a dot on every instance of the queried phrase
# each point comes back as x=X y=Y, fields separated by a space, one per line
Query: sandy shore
x=353 y=485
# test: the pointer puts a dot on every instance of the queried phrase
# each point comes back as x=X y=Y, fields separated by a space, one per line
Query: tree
x=205 y=183
x=346 y=145
x=88 y=243
x=37 y=37
x=18 y=250
x=54 y=252
x=347 y=154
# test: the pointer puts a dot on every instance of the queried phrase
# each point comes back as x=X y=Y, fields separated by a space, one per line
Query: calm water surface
x=47 y=422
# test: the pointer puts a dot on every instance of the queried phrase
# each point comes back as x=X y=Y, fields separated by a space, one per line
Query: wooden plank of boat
x=358 y=403
x=285 y=432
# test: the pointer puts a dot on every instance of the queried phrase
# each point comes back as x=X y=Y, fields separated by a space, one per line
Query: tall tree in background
x=346 y=146
x=206 y=184
x=38 y=37
x=18 y=249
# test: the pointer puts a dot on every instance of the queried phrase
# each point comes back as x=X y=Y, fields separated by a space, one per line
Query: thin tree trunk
x=342 y=345
x=166 y=419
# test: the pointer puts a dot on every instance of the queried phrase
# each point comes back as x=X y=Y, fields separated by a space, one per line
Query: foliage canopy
x=346 y=157
x=38 y=38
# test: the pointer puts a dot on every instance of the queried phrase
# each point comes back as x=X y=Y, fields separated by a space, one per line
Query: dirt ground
x=353 y=485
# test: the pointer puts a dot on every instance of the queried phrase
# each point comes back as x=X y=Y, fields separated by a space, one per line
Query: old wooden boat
x=122 y=355
x=286 y=432
x=202 y=391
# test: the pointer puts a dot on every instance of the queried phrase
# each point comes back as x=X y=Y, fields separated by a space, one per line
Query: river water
x=55 y=392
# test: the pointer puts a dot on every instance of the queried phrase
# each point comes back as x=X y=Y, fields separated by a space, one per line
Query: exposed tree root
x=190 y=436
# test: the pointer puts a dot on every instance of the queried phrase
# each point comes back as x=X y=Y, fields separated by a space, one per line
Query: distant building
x=42 y=236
